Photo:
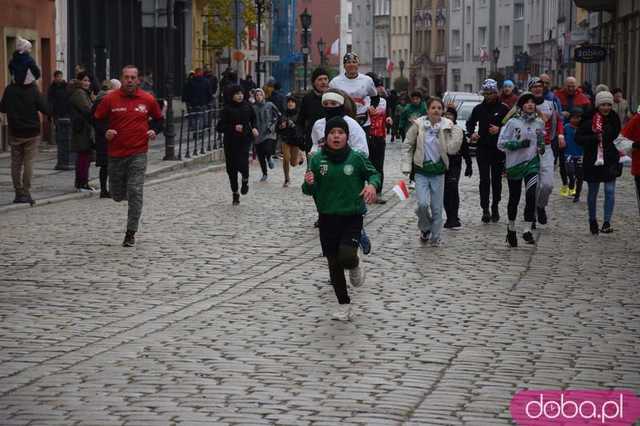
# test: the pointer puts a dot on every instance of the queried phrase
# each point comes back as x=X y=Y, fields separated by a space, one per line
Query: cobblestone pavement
x=222 y=315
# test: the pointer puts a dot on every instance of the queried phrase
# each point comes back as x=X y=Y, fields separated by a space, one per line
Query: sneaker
x=381 y=201
x=528 y=237
x=486 y=216
x=606 y=228
x=542 y=216
x=572 y=192
x=512 y=238
x=270 y=163
x=412 y=184
x=129 y=239
x=593 y=227
x=343 y=313
x=456 y=224
x=245 y=187
x=495 y=214
x=365 y=242
x=285 y=184
x=576 y=198
x=236 y=199
x=21 y=199
x=436 y=243
x=356 y=276
x=264 y=178
x=424 y=236
x=448 y=224
x=105 y=194
x=565 y=191
x=86 y=188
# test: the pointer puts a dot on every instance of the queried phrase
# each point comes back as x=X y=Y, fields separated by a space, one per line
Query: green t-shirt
x=337 y=186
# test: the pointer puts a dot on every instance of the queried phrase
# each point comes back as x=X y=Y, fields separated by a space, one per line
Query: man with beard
x=489 y=117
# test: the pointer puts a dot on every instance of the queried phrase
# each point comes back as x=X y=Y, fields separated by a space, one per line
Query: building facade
x=346 y=30
x=400 y=38
x=381 y=38
x=429 y=68
x=362 y=33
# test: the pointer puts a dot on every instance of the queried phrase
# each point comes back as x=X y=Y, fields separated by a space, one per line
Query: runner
x=267 y=115
x=333 y=103
x=431 y=140
x=129 y=110
x=522 y=139
x=341 y=180
x=554 y=129
x=411 y=112
x=489 y=115
x=452 y=177
x=286 y=129
x=380 y=119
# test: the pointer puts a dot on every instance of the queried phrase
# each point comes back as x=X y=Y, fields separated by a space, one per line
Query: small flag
x=390 y=66
x=335 y=47
x=401 y=190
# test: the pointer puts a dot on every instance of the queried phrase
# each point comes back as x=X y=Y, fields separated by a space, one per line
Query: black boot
x=129 y=239
x=245 y=187
x=236 y=199
x=512 y=238
x=593 y=226
x=542 y=216
x=486 y=216
x=495 y=214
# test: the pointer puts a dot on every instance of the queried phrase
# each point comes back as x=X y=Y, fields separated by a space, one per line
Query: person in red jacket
x=632 y=131
x=570 y=97
x=507 y=96
x=129 y=111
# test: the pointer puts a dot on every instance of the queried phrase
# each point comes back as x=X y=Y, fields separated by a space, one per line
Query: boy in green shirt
x=341 y=181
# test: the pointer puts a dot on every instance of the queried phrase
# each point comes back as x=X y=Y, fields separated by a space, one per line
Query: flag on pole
x=335 y=47
x=390 y=66
x=401 y=190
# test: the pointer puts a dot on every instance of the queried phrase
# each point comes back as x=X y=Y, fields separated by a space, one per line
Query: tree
x=221 y=25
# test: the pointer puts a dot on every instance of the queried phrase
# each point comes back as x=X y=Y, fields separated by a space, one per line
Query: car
x=460 y=97
x=464 y=112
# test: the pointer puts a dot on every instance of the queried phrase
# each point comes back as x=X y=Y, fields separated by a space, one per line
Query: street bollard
x=63 y=141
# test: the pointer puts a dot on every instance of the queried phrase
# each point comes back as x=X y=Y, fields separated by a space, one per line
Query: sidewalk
x=49 y=184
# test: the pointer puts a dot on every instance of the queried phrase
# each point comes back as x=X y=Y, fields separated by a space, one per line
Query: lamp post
x=401 y=63
x=170 y=132
x=321 y=46
x=496 y=57
x=305 y=20
x=260 y=8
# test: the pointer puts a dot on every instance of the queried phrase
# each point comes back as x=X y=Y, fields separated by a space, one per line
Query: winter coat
x=279 y=100
x=311 y=110
x=21 y=103
x=197 y=92
x=589 y=142
x=484 y=115
x=23 y=68
x=232 y=114
x=58 y=96
x=267 y=115
x=82 y=133
x=286 y=127
x=522 y=157
x=450 y=139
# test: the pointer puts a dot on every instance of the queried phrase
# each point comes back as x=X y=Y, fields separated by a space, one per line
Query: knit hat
x=489 y=85
x=332 y=96
x=334 y=122
x=576 y=111
x=524 y=98
x=604 y=97
x=602 y=88
x=351 y=56
x=318 y=72
x=23 y=45
x=508 y=83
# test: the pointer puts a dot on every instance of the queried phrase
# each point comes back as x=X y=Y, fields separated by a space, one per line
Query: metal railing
x=197 y=132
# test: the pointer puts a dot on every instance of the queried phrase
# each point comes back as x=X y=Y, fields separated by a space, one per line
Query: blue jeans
x=609 y=199
x=430 y=193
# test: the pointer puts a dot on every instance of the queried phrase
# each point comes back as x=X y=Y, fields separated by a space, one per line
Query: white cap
x=23 y=45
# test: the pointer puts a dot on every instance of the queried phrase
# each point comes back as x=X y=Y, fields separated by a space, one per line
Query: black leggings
x=237 y=161
x=515 y=190
x=264 y=150
x=490 y=167
x=104 y=177
x=573 y=171
x=451 y=194
x=377 y=146
x=561 y=159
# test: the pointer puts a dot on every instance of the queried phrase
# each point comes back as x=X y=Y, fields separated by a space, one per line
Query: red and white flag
x=401 y=190
x=335 y=48
x=390 y=66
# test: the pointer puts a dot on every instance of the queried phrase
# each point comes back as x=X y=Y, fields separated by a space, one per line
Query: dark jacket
x=310 y=111
x=286 y=127
x=198 y=92
x=20 y=64
x=58 y=96
x=586 y=138
x=82 y=132
x=279 y=100
x=231 y=115
x=21 y=104
x=486 y=114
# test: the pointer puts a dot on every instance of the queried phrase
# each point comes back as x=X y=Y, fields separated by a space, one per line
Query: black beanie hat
x=525 y=97
x=317 y=73
x=336 y=122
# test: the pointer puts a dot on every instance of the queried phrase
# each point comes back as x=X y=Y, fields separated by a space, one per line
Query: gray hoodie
x=267 y=115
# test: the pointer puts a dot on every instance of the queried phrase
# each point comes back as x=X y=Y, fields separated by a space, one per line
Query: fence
x=197 y=132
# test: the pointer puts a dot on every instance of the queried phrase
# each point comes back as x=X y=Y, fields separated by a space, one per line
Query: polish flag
x=390 y=66
x=401 y=190
x=335 y=47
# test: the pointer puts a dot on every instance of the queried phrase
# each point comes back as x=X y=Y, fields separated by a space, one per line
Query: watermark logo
x=575 y=407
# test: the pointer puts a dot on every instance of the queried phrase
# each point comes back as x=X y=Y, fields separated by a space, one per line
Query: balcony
x=597 y=5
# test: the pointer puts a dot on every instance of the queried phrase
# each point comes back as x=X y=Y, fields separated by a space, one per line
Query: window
x=482 y=36
x=349 y=21
x=406 y=24
x=518 y=11
x=457 y=4
x=394 y=24
x=507 y=36
x=440 y=41
x=468 y=14
x=468 y=52
x=349 y=48
x=481 y=76
x=455 y=39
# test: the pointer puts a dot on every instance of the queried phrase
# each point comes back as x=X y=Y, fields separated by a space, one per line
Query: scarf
x=336 y=156
x=334 y=112
x=597 y=126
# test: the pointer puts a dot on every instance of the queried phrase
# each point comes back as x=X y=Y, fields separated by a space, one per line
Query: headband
x=331 y=96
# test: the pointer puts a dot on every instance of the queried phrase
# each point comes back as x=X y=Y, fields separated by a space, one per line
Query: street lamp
x=170 y=132
x=401 y=63
x=321 y=46
x=496 y=56
x=260 y=8
x=305 y=20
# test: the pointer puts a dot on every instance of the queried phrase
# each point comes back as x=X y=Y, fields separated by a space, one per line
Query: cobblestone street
x=222 y=314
